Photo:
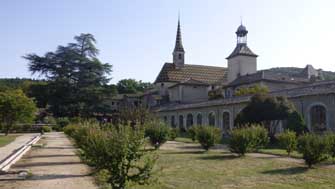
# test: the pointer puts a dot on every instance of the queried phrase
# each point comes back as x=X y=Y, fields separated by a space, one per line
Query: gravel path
x=54 y=166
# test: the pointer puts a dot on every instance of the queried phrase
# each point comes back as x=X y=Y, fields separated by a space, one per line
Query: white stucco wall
x=241 y=65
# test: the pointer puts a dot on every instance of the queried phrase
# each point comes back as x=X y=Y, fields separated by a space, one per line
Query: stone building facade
x=184 y=89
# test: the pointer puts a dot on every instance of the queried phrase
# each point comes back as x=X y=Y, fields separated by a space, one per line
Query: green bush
x=296 y=123
x=330 y=139
x=118 y=151
x=208 y=136
x=248 y=139
x=45 y=129
x=62 y=121
x=192 y=132
x=157 y=132
x=288 y=141
x=313 y=148
x=173 y=133
x=70 y=130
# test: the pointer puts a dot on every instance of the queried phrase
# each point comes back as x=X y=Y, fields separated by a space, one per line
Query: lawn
x=4 y=140
x=215 y=169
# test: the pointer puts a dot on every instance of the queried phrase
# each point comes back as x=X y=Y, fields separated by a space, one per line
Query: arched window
x=189 y=120
x=318 y=117
x=181 y=122
x=199 y=119
x=225 y=121
x=173 y=122
x=211 y=119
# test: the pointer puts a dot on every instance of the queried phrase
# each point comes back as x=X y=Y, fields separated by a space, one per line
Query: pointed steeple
x=178 y=52
x=179 y=44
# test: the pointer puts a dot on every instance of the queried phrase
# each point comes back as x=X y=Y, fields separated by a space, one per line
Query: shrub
x=330 y=139
x=313 y=148
x=248 y=139
x=63 y=121
x=208 y=136
x=192 y=132
x=157 y=132
x=70 y=130
x=288 y=141
x=117 y=150
x=296 y=123
x=45 y=129
x=173 y=133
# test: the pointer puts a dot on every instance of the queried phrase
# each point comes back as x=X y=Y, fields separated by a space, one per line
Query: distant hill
x=16 y=83
x=292 y=71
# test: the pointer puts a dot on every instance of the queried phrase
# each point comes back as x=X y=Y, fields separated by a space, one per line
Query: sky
x=137 y=36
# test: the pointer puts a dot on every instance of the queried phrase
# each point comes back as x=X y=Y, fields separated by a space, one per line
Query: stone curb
x=17 y=154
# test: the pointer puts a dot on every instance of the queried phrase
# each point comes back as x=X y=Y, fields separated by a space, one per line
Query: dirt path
x=180 y=146
x=54 y=166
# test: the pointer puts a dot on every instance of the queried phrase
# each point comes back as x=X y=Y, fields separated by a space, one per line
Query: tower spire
x=179 y=44
x=178 y=52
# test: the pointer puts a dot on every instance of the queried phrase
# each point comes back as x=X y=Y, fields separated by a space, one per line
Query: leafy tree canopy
x=256 y=89
x=266 y=110
x=131 y=86
x=15 y=107
x=76 y=78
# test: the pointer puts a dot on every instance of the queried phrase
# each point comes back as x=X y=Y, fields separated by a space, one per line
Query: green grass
x=280 y=152
x=4 y=140
x=185 y=140
x=195 y=169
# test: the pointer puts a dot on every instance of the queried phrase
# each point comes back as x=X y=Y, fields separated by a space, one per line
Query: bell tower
x=178 y=52
x=242 y=60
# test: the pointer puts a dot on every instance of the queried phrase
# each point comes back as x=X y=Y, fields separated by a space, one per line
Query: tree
x=76 y=77
x=256 y=89
x=296 y=123
x=15 y=107
x=131 y=86
x=288 y=141
x=267 y=111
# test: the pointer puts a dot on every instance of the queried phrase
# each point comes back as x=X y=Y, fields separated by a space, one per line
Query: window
x=181 y=122
x=199 y=119
x=165 y=119
x=162 y=84
x=318 y=118
x=173 y=122
x=211 y=119
x=179 y=56
x=225 y=121
x=189 y=121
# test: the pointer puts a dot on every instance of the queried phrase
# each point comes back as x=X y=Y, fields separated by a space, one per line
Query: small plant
x=157 y=132
x=192 y=132
x=63 y=122
x=45 y=129
x=288 y=141
x=70 y=130
x=248 y=139
x=208 y=136
x=313 y=148
x=330 y=138
x=173 y=133
x=117 y=152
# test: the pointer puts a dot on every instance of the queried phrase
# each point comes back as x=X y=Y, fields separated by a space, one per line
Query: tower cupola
x=241 y=34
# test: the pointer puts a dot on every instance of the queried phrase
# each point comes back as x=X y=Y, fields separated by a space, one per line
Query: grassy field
x=4 y=140
x=195 y=169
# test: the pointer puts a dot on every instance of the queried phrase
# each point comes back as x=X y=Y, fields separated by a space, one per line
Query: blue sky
x=137 y=36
